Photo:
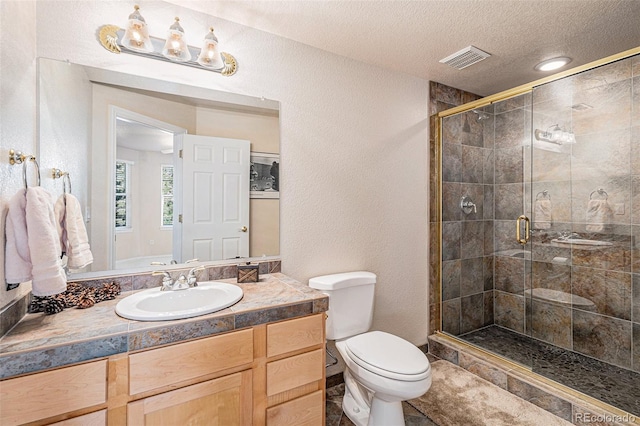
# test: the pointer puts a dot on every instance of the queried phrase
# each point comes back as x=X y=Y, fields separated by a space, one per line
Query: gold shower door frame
x=436 y=212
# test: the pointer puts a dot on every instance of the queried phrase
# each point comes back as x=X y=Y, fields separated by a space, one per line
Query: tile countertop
x=41 y=341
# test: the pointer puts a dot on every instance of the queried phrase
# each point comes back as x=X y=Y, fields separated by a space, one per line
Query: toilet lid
x=386 y=354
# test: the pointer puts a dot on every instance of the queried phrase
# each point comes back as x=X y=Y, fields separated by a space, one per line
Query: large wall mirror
x=165 y=172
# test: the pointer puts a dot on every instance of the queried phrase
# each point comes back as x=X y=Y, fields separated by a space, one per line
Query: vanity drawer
x=292 y=335
x=289 y=373
x=306 y=410
x=167 y=366
x=99 y=418
x=42 y=395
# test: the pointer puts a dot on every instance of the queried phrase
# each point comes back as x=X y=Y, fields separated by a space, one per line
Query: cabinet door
x=223 y=401
x=51 y=393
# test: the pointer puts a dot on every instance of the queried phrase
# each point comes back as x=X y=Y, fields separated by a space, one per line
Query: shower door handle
x=527 y=230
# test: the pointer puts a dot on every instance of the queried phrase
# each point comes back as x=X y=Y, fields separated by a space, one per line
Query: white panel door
x=214 y=183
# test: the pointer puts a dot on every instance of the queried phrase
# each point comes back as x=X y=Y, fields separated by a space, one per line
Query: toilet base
x=364 y=409
x=357 y=414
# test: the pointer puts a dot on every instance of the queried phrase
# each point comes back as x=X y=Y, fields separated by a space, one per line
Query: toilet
x=382 y=370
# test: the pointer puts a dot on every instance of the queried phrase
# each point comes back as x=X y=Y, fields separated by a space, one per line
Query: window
x=123 y=195
x=167 y=195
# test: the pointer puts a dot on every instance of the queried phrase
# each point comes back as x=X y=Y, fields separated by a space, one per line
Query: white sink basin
x=156 y=305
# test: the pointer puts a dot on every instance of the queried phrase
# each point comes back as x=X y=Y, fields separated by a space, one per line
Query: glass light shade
x=175 y=48
x=209 y=54
x=552 y=64
x=136 y=34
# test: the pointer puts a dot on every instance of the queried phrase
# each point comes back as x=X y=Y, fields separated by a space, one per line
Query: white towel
x=542 y=214
x=44 y=244
x=17 y=268
x=74 y=241
x=599 y=213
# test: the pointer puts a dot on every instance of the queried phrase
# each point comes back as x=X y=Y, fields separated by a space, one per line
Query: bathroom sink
x=582 y=242
x=157 y=305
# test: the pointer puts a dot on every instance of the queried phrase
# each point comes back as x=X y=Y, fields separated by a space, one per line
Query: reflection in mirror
x=143 y=193
x=121 y=136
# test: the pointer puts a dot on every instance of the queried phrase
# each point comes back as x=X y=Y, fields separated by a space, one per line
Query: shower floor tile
x=614 y=385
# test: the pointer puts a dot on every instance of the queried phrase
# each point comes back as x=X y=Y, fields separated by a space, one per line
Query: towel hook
x=17 y=157
x=66 y=179
x=601 y=192
x=545 y=195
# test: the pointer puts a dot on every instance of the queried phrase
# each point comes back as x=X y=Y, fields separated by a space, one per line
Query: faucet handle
x=167 y=282
x=191 y=278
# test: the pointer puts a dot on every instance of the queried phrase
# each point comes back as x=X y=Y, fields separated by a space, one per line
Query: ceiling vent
x=466 y=57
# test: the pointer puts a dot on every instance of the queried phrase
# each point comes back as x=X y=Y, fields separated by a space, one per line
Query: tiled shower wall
x=486 y=274
x=463 y=277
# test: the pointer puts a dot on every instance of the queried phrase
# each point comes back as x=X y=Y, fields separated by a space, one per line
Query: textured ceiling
x=412 y=36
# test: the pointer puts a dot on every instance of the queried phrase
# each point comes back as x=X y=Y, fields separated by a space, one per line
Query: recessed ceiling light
x=552 y=64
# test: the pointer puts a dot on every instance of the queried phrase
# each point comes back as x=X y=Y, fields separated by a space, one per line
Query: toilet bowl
x=385 y=370
x=382 y=370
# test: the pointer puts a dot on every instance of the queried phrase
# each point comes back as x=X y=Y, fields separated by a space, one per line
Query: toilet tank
x=350 y=302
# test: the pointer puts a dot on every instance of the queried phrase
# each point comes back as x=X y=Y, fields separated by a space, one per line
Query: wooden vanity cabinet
x=295 y=372
x=271 y=374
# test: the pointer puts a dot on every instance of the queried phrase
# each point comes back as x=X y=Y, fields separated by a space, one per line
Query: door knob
x=243 y=229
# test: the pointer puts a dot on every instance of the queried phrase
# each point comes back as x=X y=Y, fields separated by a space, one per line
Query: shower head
x=481 y=115
x=466 y=127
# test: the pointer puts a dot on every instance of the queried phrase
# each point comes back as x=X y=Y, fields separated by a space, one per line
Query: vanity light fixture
x=136 y=35
x=555 y=134
x=175 y=48
x=135 y=40
x=552 y=64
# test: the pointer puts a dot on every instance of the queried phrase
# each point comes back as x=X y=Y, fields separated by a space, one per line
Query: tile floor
x=614 y=385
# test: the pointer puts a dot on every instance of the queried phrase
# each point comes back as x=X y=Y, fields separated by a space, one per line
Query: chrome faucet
x=182 y=283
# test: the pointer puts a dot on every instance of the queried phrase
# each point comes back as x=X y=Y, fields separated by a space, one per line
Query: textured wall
x=353 y=143
x=17 y=107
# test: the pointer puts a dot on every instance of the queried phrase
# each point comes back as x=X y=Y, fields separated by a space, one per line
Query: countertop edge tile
x=149 y=338
x=15 y=364
x=29 y=358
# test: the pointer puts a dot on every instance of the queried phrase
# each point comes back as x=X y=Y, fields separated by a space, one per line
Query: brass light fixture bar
x=110 y=37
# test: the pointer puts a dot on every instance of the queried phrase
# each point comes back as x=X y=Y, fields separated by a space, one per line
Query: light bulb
x=175 y=48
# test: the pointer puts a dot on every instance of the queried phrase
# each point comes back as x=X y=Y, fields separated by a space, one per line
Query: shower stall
x=539 y=228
